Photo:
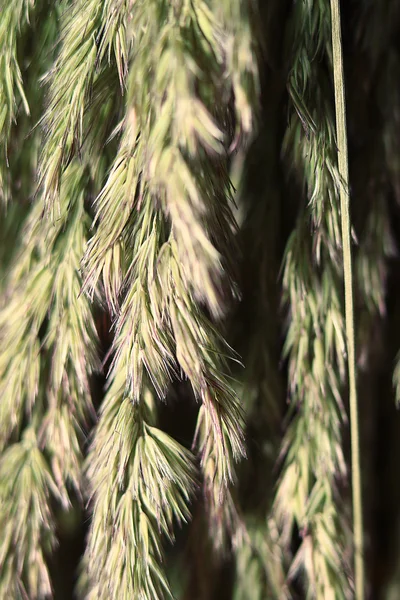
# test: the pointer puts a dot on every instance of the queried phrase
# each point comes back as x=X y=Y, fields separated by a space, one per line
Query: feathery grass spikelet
x=141 y=481
x=312 y=447
x=14 y=17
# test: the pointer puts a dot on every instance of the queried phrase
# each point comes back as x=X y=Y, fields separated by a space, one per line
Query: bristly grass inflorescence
x=155 y=252
x=312 y=454
x=123 y=125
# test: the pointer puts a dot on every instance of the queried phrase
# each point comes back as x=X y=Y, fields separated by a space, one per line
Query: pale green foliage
x=201 y=355
x=145 y=105
x=89 y=32
x=14 y=16
x=141 y=481
x=240 y=47
x=160 y=250
x=259 y=572
x=313 y=452
x=315 y=345
x=26 y=520
x=45 y=283
x=179 y=136
x=142 y=341
x=46 y=380
x=71 y=343
x=155 y=270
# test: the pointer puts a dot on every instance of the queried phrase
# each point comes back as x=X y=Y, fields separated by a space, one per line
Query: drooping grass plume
x=202 y=356
x=145 y=235
x=180 y=169
x=47 y=271
x=141 y=481
x=48 y=353
x=307 y=494
x=26 y=519
x=90 y=31
x=240 y=41
x=259 y=568
x=167 y=250
x=14 y=18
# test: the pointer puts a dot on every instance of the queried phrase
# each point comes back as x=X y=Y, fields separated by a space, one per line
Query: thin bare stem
x=348 y=290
